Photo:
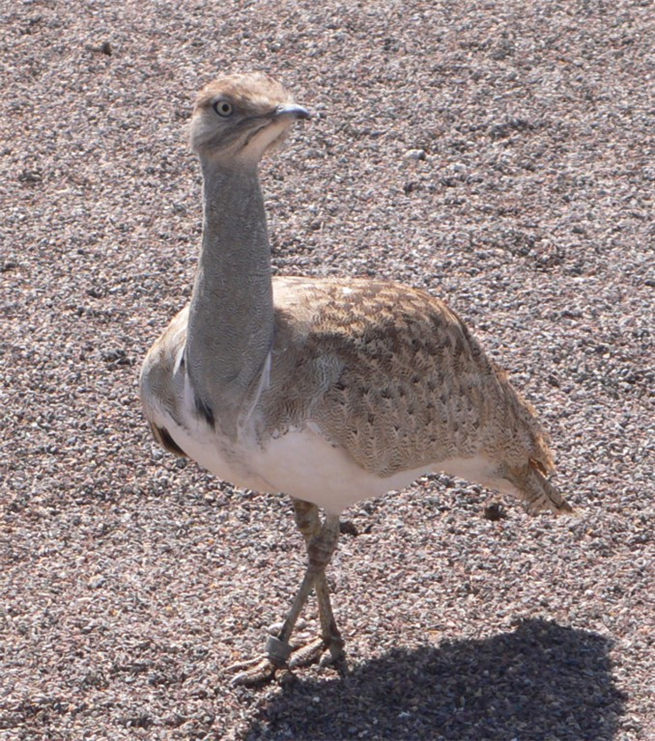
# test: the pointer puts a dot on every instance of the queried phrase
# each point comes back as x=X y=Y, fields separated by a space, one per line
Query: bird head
x=237 y=118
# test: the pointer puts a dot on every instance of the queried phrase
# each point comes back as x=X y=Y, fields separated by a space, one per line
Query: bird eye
x=223 y=108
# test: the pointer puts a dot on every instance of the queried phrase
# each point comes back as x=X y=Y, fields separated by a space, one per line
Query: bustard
x=330 y=390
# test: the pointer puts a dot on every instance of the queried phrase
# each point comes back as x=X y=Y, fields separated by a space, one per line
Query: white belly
x=305 y=465
x=228 y=461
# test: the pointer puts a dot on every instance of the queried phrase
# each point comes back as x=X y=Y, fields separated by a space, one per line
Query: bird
x=328 y=390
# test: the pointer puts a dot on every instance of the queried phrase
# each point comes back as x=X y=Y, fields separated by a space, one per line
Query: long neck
x=230 y=327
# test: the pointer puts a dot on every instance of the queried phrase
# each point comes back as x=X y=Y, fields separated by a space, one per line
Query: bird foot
x=253 y=672
x=321 y=651
x=263 y=669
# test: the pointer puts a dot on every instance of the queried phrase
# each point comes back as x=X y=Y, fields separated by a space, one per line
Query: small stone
x=30 y=176
x=494 y=512
x=415 y=154
x=411 y=186
x=347 y=527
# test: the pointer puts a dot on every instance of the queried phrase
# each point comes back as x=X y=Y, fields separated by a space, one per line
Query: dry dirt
x=130 y=580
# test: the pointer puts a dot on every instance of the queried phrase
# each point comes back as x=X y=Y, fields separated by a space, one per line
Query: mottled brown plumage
x=393 y=376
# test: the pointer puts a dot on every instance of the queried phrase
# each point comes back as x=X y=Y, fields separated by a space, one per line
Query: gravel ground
x=499 y=154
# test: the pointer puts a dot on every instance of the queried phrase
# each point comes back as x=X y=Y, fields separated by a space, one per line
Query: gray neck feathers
x=230 y=326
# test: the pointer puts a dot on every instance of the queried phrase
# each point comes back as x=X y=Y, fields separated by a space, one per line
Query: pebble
x=415 y=154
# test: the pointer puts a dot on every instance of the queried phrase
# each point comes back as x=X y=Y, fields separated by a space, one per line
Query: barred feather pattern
x=392 y=375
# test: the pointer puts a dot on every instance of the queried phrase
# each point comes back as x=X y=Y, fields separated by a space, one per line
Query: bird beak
x=297 y=111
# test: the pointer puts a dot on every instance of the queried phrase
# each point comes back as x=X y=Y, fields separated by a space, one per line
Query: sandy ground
x=130 y=580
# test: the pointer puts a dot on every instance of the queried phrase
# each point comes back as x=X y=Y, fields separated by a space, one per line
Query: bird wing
x=393 y=376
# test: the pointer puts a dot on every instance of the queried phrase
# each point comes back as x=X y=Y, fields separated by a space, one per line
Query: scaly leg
x=330 y=639
x=320 y=542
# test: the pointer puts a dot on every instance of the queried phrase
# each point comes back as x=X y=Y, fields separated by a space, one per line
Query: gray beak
x=297 y=111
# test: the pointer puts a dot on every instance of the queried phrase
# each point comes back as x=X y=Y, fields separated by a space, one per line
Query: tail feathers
x=537 y=491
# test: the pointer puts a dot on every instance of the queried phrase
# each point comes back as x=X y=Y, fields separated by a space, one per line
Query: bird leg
x=320 y=542
x=330 y=639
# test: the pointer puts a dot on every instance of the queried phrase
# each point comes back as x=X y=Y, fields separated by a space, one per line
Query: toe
x=262 y=671
x=308 y=654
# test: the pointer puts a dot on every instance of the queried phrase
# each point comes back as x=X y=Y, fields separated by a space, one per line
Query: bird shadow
x=541 y=681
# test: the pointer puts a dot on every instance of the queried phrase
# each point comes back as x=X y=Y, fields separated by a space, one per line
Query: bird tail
x=536 y=491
